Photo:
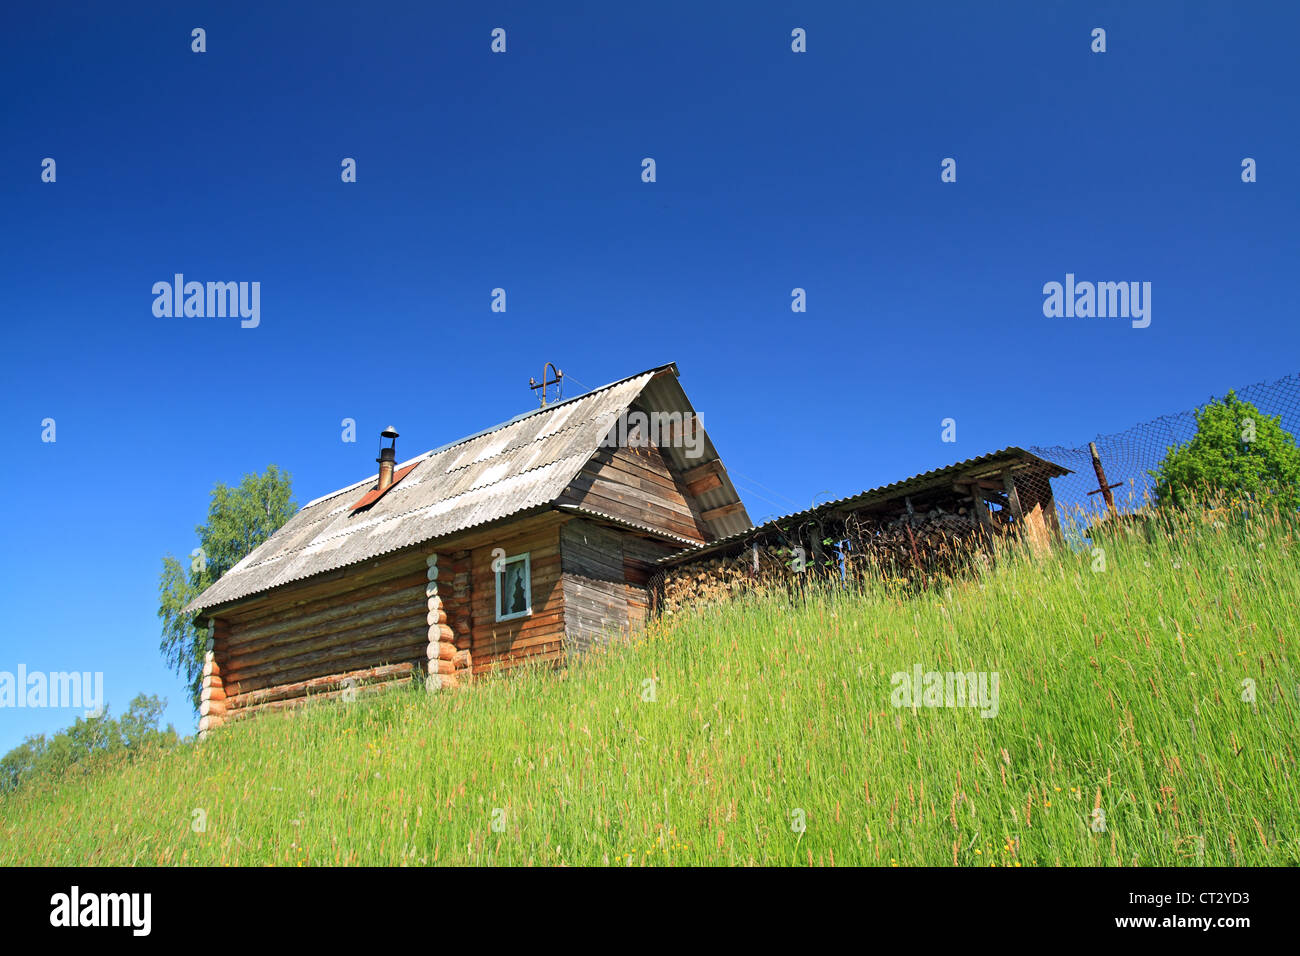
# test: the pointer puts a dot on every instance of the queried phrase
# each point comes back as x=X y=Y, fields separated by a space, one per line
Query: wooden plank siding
x=605 y=575
x=595 y=595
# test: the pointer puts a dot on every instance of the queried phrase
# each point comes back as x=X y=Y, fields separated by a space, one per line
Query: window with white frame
x=514 y=588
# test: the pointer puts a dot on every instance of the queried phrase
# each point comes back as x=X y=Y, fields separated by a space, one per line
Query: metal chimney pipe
x=387 y=457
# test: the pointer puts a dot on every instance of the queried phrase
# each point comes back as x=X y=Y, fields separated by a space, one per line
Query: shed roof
x=937 y=477
x=515 y=467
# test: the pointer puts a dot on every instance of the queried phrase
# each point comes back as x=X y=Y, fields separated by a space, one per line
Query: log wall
x=500 y=645
x=304 y=643
x=448 y=654
x=212 y=696
x=454 y=590
x=430 y=614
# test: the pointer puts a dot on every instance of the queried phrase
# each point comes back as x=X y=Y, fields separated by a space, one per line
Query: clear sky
x=523 y=170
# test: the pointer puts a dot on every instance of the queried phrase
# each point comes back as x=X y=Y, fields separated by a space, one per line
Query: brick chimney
x=387 y=457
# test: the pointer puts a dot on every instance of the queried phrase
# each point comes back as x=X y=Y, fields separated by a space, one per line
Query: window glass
x=514 y=588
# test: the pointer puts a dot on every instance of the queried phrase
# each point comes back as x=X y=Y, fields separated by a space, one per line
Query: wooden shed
x=524 y=542
x=924 y=525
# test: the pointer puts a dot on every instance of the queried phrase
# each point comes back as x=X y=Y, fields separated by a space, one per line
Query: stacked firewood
x=719 y=579
x=904 y=545
x=940 y=539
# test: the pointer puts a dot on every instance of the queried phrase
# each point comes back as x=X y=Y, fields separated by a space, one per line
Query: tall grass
x=762 y=732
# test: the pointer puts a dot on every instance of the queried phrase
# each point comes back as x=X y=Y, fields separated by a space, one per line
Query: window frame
x=528 y=587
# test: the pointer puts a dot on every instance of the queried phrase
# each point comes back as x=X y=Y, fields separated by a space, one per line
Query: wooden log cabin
x=525 y=542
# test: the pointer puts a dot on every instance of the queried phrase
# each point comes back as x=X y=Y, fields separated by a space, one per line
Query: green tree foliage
x=239 y=519
x=1236 y=450
x=20 y=763
x=87 y=741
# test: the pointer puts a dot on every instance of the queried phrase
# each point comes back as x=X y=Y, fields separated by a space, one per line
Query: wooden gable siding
x=311 y=641
x=497 y=644
x=636 y=484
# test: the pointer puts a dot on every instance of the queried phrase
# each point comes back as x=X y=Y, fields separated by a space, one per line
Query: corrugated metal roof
x=993 y=460
x=517 y=466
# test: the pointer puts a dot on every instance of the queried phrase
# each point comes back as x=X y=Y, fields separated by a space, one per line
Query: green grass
x=1119 y=689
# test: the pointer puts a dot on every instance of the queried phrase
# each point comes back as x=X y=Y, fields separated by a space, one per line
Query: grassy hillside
x=1119 y=690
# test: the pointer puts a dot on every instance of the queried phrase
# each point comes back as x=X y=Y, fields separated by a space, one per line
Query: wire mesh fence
x=937 y=532
x=1129 y=457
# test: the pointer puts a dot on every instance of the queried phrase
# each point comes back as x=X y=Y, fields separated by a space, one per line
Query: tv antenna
x=557 y=381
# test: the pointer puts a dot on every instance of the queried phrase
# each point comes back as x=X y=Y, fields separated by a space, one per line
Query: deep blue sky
x=522 y=170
